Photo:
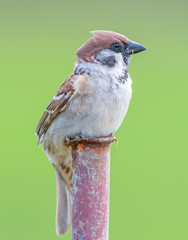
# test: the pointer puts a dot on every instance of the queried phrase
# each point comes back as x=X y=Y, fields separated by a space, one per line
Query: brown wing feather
x=56 y=106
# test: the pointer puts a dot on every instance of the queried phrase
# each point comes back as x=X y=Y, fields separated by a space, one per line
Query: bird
x=91 y=102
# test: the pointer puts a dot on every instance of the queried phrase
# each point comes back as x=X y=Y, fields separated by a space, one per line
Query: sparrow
x=91 y=102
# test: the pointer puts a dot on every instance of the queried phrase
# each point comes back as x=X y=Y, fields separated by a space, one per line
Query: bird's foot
x=79 y=136
x=67 y=139
x=111 y=135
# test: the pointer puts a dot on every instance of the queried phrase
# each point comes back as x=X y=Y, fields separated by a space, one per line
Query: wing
x=56 y=106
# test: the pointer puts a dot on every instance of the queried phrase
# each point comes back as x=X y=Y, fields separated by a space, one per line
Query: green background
x=38 y=39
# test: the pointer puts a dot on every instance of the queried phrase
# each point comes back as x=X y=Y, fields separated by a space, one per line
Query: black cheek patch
x=109 y=61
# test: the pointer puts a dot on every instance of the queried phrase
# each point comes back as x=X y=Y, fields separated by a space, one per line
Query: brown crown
x=101 y=40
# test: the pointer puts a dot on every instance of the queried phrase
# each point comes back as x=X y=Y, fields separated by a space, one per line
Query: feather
x=64 y=206
x=56 y=106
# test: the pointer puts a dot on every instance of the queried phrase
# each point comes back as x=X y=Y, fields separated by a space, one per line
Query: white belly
x=106 y=113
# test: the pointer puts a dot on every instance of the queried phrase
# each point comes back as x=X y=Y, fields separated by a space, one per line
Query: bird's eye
x=116 y=46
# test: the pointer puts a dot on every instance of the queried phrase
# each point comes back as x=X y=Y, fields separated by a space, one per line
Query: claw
x=79 y=136
x=112 y=135
x=67 y=139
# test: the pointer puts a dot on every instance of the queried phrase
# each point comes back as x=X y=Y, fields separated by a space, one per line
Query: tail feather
x=64 y=206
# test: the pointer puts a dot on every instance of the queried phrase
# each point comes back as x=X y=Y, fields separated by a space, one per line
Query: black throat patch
x=109 y=61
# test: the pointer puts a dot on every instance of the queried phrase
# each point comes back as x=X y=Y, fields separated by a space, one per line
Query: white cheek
x=102 y=77
x=116 y=71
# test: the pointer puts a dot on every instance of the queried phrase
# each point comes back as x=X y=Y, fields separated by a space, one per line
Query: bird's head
x=108 y=48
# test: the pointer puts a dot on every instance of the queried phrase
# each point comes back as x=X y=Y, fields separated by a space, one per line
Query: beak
x=134 y=47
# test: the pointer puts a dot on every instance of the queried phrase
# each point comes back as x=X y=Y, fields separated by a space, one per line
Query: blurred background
x=38 y=40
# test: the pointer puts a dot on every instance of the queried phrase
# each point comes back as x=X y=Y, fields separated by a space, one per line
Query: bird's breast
x=102 y=111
